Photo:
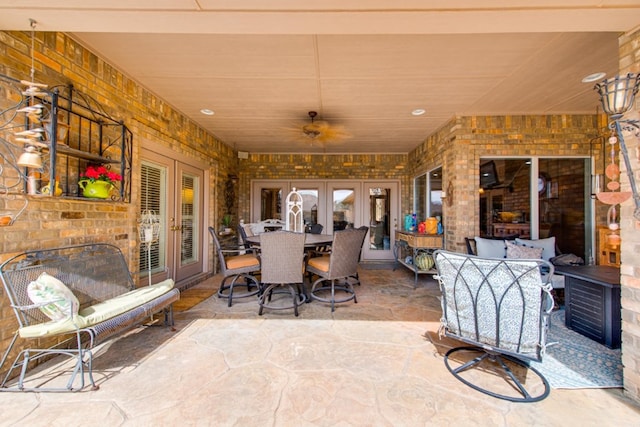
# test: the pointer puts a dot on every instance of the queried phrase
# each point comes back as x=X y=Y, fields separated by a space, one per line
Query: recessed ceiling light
x=594 y=77
x=418 y=112
x=207 y=112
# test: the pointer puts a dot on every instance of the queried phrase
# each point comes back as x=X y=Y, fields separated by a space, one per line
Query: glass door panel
x=153 y=194
x=189 y=221
x=538 y=198
x=381 y=215
x=343 y=199
x=313 y=203
x=565 y=204
x=420 y=196
x=435 y=194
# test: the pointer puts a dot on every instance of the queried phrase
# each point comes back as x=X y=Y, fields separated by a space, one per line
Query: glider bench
x=68 y=300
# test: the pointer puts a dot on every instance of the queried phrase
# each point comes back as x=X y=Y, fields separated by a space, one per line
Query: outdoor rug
x=575 y=361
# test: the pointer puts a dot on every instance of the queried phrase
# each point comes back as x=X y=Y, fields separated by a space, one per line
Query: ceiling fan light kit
x=321 y=132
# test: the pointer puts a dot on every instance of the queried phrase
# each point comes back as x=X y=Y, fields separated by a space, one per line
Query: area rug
x=575 y=361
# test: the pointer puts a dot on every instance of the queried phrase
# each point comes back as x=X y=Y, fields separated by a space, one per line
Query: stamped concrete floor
x=374 y=363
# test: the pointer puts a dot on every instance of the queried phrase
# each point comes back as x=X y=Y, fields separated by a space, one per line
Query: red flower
x=99 y=173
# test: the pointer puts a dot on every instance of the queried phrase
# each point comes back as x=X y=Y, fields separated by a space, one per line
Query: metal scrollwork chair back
x=501 y=308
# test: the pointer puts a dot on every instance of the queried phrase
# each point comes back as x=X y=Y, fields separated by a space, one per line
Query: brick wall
x=630 y=233
x=59 y=60
x=51 y=221
x=459 y=145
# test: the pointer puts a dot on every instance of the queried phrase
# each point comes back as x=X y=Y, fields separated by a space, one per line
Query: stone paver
x=375 y=363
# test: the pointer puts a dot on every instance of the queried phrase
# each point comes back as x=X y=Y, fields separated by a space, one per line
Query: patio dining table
x=310 y=241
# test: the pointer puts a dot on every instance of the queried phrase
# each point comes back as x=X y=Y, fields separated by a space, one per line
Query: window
x=538 y=198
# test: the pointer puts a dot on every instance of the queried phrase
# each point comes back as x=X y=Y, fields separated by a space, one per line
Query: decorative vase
x=431 y=225
x=96 y=189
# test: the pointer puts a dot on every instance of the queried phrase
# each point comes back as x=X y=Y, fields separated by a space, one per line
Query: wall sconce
x=617 y=95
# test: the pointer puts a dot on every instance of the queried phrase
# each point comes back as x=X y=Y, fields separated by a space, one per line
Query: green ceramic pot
x=95 y=190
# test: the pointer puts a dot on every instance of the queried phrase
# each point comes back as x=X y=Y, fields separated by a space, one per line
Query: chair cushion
x=241 y=261
x=522 y=252
x=548 y=246
x=47 y=288
x=490 y=248
x=320 y=263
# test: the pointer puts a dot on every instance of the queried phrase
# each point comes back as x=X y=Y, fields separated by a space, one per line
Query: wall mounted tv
x=489 y=175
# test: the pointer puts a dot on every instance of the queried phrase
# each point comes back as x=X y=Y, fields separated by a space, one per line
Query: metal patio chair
x=501 y=308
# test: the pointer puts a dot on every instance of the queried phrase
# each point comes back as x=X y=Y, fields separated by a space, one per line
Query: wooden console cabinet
x=410 y=243
x=608 y=249
x=503 y=229
x=592 y=302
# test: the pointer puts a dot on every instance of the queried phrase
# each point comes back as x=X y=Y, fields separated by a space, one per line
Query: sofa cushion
x=490 y=248
x=548 y=246
x=515 y=251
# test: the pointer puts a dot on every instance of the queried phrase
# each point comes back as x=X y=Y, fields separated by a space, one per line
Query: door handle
x=176 y=228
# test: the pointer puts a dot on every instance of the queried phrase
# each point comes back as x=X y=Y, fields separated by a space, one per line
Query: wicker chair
x=243 y=232
x=501 y=307
x=234 y=266
x=342 y=263
x=282 y=259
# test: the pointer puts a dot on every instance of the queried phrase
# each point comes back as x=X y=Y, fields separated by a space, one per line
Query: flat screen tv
x=488 y=175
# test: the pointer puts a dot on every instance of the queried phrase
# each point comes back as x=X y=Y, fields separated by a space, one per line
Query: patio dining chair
x=501 y=308
x=338 y=268
x=234 y=265
x=282 y=273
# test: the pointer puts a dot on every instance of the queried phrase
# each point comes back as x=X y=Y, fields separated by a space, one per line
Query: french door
x=337 y=205
x=174 y=192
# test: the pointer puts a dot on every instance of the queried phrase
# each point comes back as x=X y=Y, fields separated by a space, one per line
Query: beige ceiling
x=365 y=65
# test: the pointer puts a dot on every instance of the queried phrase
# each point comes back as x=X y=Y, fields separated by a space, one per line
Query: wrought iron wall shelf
x=75 y=132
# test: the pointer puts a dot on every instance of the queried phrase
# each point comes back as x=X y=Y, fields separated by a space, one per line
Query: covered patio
x=375 y=363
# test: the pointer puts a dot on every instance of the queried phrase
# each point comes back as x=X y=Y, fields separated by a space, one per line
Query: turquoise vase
x=96 y=189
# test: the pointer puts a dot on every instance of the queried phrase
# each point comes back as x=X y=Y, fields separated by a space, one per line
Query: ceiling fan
x=319 y=131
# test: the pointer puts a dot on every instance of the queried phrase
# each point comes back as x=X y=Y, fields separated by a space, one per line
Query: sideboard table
x=592 y=302
x=411 y=244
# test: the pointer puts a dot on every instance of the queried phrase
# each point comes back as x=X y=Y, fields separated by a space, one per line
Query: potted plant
x=226 y=222
x=97 y=181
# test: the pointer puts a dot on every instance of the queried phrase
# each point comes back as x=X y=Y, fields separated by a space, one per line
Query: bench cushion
x=99 y=312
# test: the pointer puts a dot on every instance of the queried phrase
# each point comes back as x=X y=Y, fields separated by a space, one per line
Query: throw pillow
x=48 y=289
x=548 y=246
x=522 y=252
x=490 y=248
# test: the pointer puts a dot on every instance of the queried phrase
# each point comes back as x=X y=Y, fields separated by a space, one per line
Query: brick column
x=629 y=45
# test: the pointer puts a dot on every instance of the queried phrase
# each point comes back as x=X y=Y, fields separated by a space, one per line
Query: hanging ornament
x=612 y=171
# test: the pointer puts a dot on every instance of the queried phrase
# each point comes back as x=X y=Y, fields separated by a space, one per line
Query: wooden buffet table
x=411 y=243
